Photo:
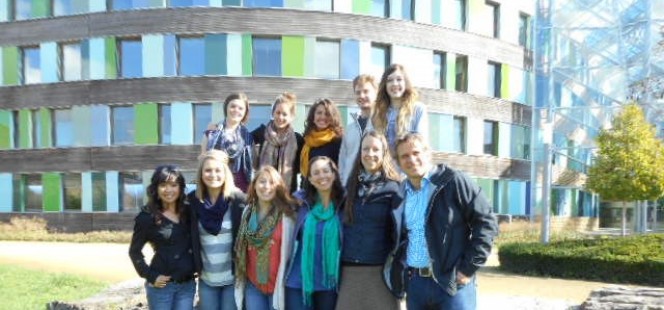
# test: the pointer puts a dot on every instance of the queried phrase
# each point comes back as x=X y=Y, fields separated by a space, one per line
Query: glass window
x=130 y=4
x=319 y=5
x=36 y=130
x=202 y=118
x=491 y=138
x=67 y=7
x=186 y=3
x=494 y=77
x=33 y=192
x=23 y=9
x=264 y=3
x=380 y=8
x=71 y=183
x=380 y=59
x=123 y=125
x=439 y=70
x=70 y=61
x=260 y=114
x=31 y=72
x=327 y=61
x=459 y=138
x=461 y=80
x=131 y=58
x=165 y=123
x=191 y=56
x=267 y=56
x=63 y=125
x=408 y=9
x=524 y=30
x=17 y=130
x=98 y=191
x=131 y=191
x=494 y=16
x=460 y=7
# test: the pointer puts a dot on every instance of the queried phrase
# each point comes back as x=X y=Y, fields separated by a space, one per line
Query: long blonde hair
x=229 y=185
x=410 y=95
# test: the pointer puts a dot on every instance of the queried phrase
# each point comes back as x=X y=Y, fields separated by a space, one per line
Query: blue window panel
x=48 y=55
x=202 y=117
x=318 y=5
x=71 y=62
x=379 y=8
x=100 y=115
x=64 y=128
x=97 y=6
x=31 y=65
x=210 y=54
x=504 y=140
x=97 y=58
x=234 y=54
x=86 y=192
x=267 y=56
x=407 y=10
x=123 y=125
x=327 y=59
x=165 y=124
x=264 y=3
x=187 y=3
x=6 y=192
x=350 y=62
x=182 y=120
x=131 y=62
x=191 y=56
x=112 y=191
x=260 y=114
x=216 y=3
x=153 y=64
x=81 y=119
x=69 y=7
x=170 y=56
x=5 y=14
x=517 y=198
x=133 y=4
x=22 y=9
x=441 y=123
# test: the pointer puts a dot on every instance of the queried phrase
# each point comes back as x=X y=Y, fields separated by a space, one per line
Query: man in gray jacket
x=365 y=89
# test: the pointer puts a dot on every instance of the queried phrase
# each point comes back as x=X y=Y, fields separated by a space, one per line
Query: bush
x=634 y=260
x=35 y=229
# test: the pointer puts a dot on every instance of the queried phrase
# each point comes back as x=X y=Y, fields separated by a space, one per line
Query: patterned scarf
x=259 y=236
x=330 y=249
x=279 y=151
x=233 y=143
x=314 y=139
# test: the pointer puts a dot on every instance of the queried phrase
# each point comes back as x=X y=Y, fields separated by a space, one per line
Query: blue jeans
x=321 y=300
x=254 y=299
x=425 y=293
x=216 y=297
x=177 y=296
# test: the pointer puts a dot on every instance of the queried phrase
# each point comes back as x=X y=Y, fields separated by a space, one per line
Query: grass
x=22 y=288
x=36 y=229
x=524 y=231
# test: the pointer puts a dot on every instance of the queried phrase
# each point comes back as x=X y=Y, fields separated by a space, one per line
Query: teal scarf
x=330 y=248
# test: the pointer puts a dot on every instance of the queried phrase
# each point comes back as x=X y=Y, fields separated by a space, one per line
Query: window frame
x=120 y=61
x=62 y=65
x=461 y=78
x=114 y=127
x=441 y=79
x=254 y=63
x=494 y=138
x=463 y=121
x=497 y=78
x=178 y=53
x=495 y=11
x=22 y=55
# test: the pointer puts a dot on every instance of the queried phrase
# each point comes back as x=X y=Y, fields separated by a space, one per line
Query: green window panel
x=41 y=8
x=18 y=193
x=505 y=82
x=361 y=6
x=487 y=186
x=52 y=197
x=450 y=78
x=247 y=55
x=292 y=56
x=10 y=65
x=46 y=127
x=343 y=111
x=146 y=123
x=111 y=59
x=215 y=54
x=6 y=126
x=25 y=129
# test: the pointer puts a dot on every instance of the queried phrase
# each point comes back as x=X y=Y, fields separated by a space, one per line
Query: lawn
x=22 y=288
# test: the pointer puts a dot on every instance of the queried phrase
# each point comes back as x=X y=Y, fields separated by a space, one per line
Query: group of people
x=370 y=220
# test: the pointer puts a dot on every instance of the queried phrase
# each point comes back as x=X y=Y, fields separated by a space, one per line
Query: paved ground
x=110 y=262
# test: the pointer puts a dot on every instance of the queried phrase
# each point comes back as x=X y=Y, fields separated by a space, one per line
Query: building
x=94 y=94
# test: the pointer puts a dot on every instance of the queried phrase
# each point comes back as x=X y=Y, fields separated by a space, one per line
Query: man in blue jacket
x=447 y=231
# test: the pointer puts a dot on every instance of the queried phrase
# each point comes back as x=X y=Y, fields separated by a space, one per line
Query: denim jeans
x=254 y=299
x=321 y=300
x=216 y=297
x=177 y=296
x=425 y=293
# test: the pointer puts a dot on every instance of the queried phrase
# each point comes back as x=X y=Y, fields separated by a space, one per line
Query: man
x=365 y=89
x=448 y=227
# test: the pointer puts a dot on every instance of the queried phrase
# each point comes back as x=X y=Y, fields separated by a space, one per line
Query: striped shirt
x=217 y=254
x=417 y=254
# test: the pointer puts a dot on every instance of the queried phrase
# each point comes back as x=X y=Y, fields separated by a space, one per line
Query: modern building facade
x=94 y=94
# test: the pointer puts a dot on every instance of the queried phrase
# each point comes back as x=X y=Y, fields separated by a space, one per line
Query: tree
x=629 y=164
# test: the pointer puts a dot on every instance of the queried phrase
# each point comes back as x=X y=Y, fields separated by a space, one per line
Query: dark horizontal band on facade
x=261 y=21
x=258 y=89
x=136 y=157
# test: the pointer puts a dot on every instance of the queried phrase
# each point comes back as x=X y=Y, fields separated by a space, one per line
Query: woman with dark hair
x=322 y=134
x=165 y=223
x=369 y=227
x=312 y=277
x=217 y=206
x=279 y=145
x=233 y=137
x=263 y=243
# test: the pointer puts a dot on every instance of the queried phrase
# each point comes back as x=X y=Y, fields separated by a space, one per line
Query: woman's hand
x=462 y=278
x=161 y=281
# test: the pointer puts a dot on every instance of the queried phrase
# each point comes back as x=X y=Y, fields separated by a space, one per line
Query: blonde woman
x=217 y=206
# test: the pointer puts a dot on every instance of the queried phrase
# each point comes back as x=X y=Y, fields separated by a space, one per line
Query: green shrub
x=635 y=259
x=35 y=229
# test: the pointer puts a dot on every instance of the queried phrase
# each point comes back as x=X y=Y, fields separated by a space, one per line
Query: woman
x=313 y=273
x=369 y=227
x=397 y=110
x=263 y=243
x=233 y=137
x=165 y=223
x=218 y=207
x=322 y=134
x=279 y=145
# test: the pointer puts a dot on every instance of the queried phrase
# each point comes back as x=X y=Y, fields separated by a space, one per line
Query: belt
x=424 y=272
x=183 y=280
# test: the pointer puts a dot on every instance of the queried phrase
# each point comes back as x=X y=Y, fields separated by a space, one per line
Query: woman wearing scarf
x=369 y=227
x=263 y=244
x=217 y=206
x=279 y=145
x=312 y=277
x=233 y=137
x=322 y=134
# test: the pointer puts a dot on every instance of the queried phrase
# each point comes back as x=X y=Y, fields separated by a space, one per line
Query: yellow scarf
x=315 y=138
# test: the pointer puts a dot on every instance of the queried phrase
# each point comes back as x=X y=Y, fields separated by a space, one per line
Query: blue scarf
x=210 y=215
